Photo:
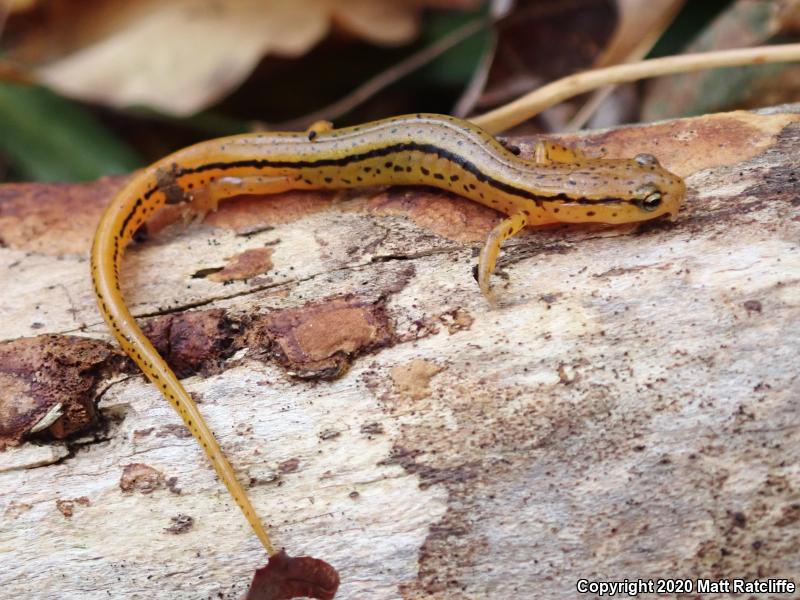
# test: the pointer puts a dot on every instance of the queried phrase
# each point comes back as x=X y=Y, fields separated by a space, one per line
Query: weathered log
x=628 y=411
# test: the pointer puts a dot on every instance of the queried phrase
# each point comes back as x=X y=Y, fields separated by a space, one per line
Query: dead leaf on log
x=285 y=577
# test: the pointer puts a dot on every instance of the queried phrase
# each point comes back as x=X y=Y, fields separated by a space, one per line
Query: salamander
x=556 y=185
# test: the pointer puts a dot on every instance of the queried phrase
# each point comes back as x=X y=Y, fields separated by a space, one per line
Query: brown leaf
x=13 y=6
x=740 y=25
x=641 y=23
x=180 y=56
x=285 y=577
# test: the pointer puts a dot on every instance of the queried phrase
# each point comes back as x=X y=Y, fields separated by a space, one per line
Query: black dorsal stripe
x=259 y=163
x=453 y=157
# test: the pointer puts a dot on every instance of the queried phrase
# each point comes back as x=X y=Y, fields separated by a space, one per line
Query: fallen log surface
x=629 y=410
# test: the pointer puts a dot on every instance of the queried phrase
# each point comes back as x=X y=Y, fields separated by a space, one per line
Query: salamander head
x=621 y=191
x=643 y=190
x=661 y=193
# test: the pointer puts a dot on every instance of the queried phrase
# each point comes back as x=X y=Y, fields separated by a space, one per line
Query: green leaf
x=456 y=66
x=49 y=138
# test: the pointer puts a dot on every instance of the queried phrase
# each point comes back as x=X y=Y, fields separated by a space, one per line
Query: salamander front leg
x=491 y=249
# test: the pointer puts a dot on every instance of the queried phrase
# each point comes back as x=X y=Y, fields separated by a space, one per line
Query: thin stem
x=551 y=94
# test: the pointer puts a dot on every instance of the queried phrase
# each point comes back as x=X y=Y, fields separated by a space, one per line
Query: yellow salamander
x=556 y=185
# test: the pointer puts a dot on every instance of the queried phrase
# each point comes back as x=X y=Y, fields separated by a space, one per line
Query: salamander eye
x=651 y=202
x=646 y=160
x=648 y=197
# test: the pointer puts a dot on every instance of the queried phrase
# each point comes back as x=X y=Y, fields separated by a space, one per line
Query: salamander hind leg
x=547 y=152
x=207 y=198
x=225 y=187
x=491 y=249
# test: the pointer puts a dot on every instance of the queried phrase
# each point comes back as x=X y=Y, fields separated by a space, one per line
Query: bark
x=628 y=410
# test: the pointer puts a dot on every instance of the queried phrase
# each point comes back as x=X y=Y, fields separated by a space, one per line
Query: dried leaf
x=180 y=56
x=742 y=24
x=587 y=34
x=577 y=28
x=17 y=5
x=183 y=55
x=285 y=577
x=378 y=22
x=641 y=23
